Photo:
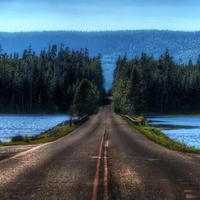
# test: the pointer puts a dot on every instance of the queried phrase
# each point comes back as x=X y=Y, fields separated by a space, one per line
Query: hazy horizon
x=96 y=31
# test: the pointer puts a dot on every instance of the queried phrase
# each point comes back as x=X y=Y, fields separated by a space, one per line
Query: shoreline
x=155 y=134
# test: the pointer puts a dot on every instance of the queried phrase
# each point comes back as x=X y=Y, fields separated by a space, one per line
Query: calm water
x=12 y=125
x=183 y=129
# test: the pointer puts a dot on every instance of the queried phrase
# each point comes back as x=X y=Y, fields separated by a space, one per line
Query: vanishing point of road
x=103 y=159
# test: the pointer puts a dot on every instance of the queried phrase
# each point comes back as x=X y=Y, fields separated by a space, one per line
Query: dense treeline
x=147 y=85
x=47 y=82
x=182 y=45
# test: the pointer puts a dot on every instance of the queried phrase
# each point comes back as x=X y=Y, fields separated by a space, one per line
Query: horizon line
x=97 y=31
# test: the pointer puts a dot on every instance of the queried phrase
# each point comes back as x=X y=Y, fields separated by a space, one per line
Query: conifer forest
x=61 y=80
x=144 y=84
x=47 y=83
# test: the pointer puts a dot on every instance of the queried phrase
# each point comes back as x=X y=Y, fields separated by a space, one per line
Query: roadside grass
x=157 y=136
x=59 y=132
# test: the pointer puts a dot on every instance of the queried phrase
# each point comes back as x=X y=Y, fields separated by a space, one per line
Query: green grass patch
x=157 y=136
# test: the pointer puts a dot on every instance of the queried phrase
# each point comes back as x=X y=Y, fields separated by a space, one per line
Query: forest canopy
x=111 y=44
x=48 y=82
x=160 y=85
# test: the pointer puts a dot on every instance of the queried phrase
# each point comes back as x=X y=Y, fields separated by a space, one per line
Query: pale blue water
x=12 y=125
x=183 y=129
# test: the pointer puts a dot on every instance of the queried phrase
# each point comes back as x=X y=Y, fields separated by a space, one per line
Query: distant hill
x=182 y=45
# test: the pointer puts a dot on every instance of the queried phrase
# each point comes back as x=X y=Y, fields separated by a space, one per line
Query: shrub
x=56 y=109
x=27 y=139
x=17 y=138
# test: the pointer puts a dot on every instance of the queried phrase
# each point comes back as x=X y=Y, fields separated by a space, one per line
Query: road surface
x=103 y=159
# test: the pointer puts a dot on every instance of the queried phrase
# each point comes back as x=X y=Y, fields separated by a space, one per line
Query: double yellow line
x=105 y=169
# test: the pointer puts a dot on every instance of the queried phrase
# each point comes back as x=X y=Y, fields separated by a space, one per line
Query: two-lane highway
x=64 y=169
x=141 y=169
x=103 y=159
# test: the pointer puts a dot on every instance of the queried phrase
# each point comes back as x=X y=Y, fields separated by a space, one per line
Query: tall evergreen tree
x=86 y=97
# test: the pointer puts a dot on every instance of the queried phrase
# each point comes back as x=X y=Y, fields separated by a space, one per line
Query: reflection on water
x=183 y=129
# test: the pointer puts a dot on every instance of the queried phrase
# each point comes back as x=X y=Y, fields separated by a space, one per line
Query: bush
x=56 y=109
x=17 y=138
x=27 y=139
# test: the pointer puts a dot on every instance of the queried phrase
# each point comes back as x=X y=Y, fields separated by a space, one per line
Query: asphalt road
x=103 y=159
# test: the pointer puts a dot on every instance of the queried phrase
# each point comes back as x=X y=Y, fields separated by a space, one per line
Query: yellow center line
x=96 y=178
x=106 y=171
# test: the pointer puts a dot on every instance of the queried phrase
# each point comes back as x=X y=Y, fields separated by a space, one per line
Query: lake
x=12 y=125
x=185 y=129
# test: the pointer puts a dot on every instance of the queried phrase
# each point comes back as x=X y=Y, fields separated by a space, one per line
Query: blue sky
x=95 y=15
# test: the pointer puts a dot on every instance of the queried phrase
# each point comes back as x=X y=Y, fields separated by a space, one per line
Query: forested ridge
x=144 y=84
x=182 y=45
x=47 y=82
x=31 y=79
